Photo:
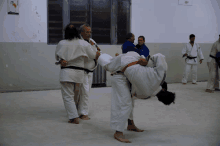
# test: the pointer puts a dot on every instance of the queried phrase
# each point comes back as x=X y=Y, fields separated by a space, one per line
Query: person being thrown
x=146 y=79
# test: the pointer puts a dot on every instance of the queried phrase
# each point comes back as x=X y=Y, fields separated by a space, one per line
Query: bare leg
x=120 y=137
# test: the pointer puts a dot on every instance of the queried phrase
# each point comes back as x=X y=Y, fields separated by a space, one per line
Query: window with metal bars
x=109 y=19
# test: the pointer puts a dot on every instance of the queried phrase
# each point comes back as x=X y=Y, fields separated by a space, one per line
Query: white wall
x=160 y=21
x=216 y=7
x=29 y=26
x=27 y=62
x=164 y=21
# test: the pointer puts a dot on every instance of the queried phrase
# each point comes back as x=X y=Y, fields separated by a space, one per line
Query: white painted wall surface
x=160 y=21
x=29 y=26
x=27 y=62
x=164 y=21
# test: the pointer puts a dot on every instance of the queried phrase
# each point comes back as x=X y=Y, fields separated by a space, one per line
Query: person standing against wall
x=129 y=44
x=191 y=50
x=142 y=48
x=213 y=65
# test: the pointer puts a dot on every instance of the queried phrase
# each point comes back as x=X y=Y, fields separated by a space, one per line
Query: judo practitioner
x=191 y=51
x=146 y=80
x=141 y=47
x=73 y=50
x=213 y=65
x=91 y=64
x=82 y=90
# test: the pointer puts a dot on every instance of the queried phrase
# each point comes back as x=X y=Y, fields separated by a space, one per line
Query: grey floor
x=39 y=118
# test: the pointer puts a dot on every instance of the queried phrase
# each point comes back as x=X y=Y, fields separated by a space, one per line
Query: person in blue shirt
x=142 y=48
x=129 y=44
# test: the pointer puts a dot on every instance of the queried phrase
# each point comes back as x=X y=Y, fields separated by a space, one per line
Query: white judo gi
x=194 y=51
x=73 y=52
x=82 y=98
x=213 y=80
x=145 y=81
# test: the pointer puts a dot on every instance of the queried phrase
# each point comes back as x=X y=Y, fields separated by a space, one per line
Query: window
x=55 y=21
x=123 y=20
x=109 y=19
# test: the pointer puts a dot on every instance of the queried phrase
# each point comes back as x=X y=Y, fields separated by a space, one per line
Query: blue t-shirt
x=128 y=46
x=143 y=50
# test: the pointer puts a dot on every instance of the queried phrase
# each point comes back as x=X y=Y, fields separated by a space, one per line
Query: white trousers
x=121 y=103
x=188 y=68
x=67 y=90
x=82 y=95
x=213 y=81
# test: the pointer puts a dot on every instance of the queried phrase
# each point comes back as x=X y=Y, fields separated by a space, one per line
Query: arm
x=213 y=50
x=201 y=57
x=57 y=48
x=184 y=53
x=61 y=61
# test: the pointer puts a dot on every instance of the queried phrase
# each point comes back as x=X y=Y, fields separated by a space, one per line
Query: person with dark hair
x=213 y=65
x=73 y=50
x=82 y=92
x=142 y=48
x=146 y=79
x=129 y=44
x=191 y=50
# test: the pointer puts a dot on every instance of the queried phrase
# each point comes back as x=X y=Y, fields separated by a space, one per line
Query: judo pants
x=213 y=81
x=188 y=68
x=67 y=90
x=82 y=95
x=121 y=102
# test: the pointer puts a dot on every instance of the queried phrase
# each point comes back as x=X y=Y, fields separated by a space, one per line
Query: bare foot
x=184 y=83
x=134 y=128
x=75 y=121
x=208 y=90
x=84 y=117
x=120 y=137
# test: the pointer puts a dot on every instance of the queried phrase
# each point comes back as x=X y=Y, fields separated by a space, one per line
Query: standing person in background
x=142 y=48
x=70 y=53
x=129 y=44
x=82 y=90
x=213 y=65
x=191 y=51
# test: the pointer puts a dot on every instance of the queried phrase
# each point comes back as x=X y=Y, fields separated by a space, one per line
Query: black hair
x=166 y=97
x=164 y=85
x=129 y=35
x=191 y=36
x=142 y=37
x=71 y=32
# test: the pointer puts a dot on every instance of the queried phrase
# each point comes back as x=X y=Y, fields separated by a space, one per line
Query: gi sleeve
x=200 y=55
x=213 y=50
x=184 y=50
x=57 y=49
